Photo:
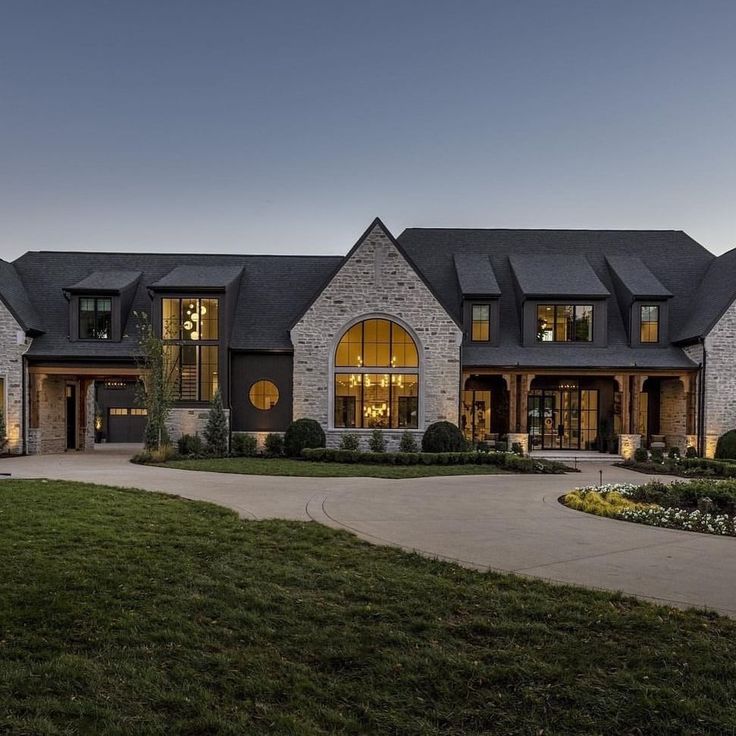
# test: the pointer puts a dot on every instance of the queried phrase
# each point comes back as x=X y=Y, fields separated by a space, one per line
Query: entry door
x=71 y=417
x=568 y=419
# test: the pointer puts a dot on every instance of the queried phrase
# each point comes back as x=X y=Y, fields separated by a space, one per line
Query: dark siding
x=247 y=368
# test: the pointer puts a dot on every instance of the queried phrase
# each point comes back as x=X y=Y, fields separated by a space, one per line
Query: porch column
x=510 y=379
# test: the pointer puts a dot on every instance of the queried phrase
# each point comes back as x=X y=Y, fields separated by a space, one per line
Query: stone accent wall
x=376 y=280
x=13 y=344
x=673 y=413
x=522 y=439
x=188 y=421
x=50 y=433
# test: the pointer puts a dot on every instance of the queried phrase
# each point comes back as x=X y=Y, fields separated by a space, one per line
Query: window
x=481 y=323
x=565 y=323
x=190 y=330
x=649 y=323
x=95 y=318
x=264 y=395
x=381 y=387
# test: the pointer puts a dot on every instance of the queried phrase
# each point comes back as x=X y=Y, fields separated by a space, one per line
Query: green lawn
x=305 y=468
x=123 y=612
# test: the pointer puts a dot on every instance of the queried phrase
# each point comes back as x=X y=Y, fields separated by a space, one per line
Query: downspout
x=23 y=418
x=701 y=401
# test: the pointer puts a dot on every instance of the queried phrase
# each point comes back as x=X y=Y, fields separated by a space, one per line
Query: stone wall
x=48 y=432
x=13 y=344
x=376 y=280
x=628 y=444
x=673 y=413
x=188 y=421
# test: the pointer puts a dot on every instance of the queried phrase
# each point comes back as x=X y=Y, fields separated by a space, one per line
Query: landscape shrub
x=408 y=443
x=301 y=434
x=350 y=441
x=726 y=447
x=657 y=456
x=641 y=455
x=216 y=430
x=690 y=452
x=443 y=437
x=517 y=449
x=274 y=444
x=377 y=441
x=190 y=444
x=673 y=453
x=162 y=454
x=244 y=445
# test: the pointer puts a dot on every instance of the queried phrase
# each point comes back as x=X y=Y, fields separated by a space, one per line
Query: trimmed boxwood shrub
x=190 y=444
x=408 y=443
x=641 y=455
x=726 y=447
x=244 y=445
x=443 y=437
x=301 y=434
x=377 y=442
x=274 y=445
x=350 y=441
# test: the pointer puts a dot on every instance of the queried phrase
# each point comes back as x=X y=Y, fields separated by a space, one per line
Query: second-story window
x=481 y=323
x=649 y=323
x=190 y=330
x=95 y=318
x=565 y=323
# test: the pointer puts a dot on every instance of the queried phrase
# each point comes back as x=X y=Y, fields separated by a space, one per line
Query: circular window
x=264 y=395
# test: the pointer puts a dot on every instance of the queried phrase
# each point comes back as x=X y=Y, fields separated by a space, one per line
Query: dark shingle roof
x=714 y=294
x=475 y=275
x=272 y=291
x=552 y=274
x=636 y=278
x=106 y=281
x=676 y=259
x=199 y=277
x=15 y=297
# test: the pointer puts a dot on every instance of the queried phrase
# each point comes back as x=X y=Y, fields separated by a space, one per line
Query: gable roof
x=714 y=294
x=15 y=297
x=636 y=278
x=272 y=290
x=475 y=275
x=676 y=259
x=552 y=274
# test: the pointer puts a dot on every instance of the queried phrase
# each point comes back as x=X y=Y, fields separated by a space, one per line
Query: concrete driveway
x=511 y=523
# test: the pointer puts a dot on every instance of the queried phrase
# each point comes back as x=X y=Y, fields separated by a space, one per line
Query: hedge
x=506 y=460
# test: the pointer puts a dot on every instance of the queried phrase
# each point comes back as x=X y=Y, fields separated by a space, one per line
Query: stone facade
x=47 y=432
x=520 y=439
x=673 y=413
x=183 y=421
x=376 y=280
x=628 y=444
x=13 y=343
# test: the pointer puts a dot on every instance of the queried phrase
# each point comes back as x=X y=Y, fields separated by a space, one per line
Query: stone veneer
x=628 y=444
x=720 y=377
x=376 y=280
x=13 y=343
x=183 y=421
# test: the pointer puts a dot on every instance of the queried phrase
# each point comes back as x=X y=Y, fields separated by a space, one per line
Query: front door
x=555 y=419
x=71 y=417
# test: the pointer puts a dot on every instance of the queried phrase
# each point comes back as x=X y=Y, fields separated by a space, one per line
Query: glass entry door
x=563 y=419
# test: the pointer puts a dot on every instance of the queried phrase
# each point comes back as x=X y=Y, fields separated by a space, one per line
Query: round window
x=264 y=395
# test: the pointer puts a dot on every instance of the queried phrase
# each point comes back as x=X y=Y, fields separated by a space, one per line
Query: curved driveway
x=511 y=523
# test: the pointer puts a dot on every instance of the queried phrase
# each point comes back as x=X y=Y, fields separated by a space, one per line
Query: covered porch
x=70 y=407
x=599 y=411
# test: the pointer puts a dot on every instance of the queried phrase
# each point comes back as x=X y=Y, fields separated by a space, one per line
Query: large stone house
x=555 y=339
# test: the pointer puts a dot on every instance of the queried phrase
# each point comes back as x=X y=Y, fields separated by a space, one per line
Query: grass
x=124 y=612
x=305 y=468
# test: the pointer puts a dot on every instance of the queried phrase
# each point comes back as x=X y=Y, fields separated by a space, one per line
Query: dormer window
x=481 y=323
x=649 y=323
x=95 y=318
x=565 y=323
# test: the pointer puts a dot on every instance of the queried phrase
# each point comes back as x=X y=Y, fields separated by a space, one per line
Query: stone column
x=521 y=438
x=628 y=444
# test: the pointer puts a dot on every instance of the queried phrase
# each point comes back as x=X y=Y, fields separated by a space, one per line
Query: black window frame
x=657 y=322
x=573 y=334
x=473 y=307
x=95 y=316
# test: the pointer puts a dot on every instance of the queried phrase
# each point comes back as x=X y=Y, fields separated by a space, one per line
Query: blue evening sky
x=285 y=127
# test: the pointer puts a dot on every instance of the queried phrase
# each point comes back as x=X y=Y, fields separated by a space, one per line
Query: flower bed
x=699 y=506
x=695 y=467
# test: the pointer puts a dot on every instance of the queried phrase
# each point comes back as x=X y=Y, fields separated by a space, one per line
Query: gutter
x=24 y=420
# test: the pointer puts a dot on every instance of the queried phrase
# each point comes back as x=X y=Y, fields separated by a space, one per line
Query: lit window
x=264 y=395
x=95 y=318
x=190 y=330
x=649 y=323
x=369 y=398
x=565 y=323
x=481 y=318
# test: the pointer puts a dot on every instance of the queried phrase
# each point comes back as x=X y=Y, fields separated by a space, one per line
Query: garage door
x=126 y=424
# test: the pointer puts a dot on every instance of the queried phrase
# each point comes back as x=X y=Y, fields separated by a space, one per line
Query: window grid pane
x=649 y=327
x=481 y=323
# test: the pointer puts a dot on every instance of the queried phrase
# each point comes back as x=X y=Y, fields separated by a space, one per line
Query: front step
x=571 y=457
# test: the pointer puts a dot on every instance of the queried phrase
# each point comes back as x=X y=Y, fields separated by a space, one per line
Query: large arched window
x=376 y=377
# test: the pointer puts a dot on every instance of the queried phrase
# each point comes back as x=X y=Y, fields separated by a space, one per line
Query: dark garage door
x=126 y=424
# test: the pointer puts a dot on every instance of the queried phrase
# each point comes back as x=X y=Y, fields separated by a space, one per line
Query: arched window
x=376 y=377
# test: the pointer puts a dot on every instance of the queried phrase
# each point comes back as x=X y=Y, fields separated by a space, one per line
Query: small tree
x=3 y=432
x=377 y=441
x=156 y=387
x=216 y=431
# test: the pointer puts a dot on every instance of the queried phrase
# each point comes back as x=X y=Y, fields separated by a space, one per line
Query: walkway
x=511 y=523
